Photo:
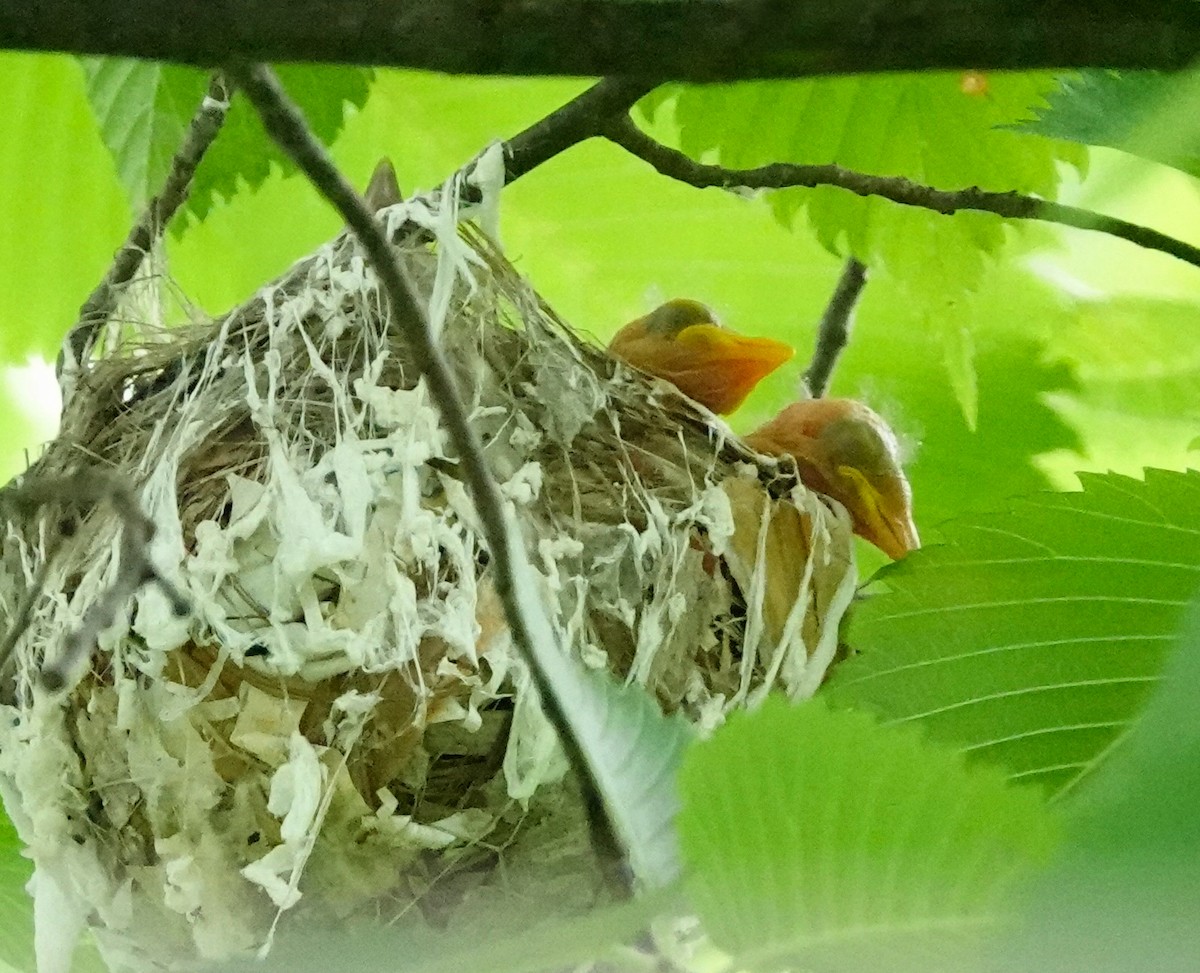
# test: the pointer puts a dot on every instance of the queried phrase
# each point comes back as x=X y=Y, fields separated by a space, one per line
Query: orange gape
x=846 y=451
x=682 y=343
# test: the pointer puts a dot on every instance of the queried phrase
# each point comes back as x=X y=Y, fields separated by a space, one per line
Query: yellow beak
x=706 y=362
x=882 y=512
x=718 y=368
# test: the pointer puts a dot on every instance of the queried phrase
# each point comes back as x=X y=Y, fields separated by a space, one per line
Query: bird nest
x=339 y=724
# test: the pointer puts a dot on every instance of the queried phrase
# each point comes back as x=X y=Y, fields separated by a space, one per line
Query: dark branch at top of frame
x=699 y=40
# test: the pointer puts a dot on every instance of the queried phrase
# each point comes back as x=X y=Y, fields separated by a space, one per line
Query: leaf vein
x=1023 y=691
x=1008 y=647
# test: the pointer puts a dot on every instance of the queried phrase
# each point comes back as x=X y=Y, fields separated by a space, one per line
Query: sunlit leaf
x=1032 y=639
x=18 y=445
x=1116 y=108
x=143 y=109
x=243 y=152
x=957 y=469
x=823 y=841
x=1136 y=402
x=1123 y=893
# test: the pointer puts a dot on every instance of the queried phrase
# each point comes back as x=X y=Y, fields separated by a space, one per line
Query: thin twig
x=287 y=127
x=780 y=175
x=101 y=303
x=833 y=333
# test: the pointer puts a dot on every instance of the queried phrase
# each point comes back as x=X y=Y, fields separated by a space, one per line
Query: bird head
x=844 y=450
x=683 y=343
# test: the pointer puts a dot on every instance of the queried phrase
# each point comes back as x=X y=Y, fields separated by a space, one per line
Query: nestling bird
x=682 y=342
x=844 y=450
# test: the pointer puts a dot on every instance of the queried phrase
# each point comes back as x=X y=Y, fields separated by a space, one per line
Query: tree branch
x=99 y=306
x=287 y=127
x=833 y=333
x=782 y=175
x=677 y=39
x=581 y=118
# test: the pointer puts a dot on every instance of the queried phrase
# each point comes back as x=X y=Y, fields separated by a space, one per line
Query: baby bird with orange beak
x=682 y=342
x=846 y=451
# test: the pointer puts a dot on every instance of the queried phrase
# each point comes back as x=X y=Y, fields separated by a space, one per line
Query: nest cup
x=340 y=725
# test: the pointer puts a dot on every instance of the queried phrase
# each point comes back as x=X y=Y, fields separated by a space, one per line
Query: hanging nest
x=340 y=725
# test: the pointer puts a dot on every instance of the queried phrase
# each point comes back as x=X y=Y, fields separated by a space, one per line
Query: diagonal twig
x=101 y=303
x=833 y=333
x=782 y=175
x=287 y=127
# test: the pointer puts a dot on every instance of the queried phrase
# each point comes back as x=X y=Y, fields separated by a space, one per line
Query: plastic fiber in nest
x=340 y=725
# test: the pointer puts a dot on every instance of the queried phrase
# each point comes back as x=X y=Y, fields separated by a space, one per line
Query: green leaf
x=1122 y=895
x=958 y=349
x=244 y=153
x=919 y=126
x=821 y=840
x=16 y=906
x=635 y=752
x=21 y=426
x=631 y=748
x=1032 y=639
x=143 y=109
x=1118 y=109
x=1134 y=355
x=1137 y=403
x=64 y=214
